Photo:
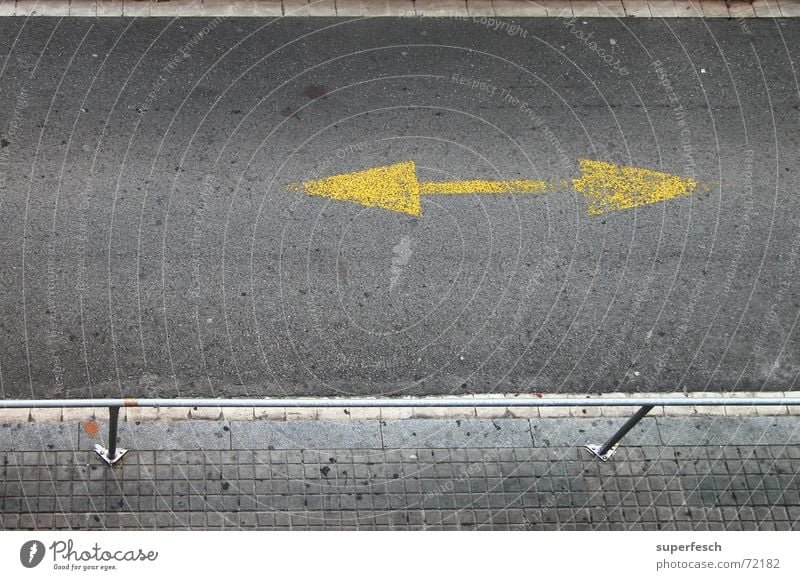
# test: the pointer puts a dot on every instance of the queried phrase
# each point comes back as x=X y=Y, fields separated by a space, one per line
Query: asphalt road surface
x=149 y=245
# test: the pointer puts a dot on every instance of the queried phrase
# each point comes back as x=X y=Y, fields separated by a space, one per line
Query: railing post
x=606 y=450
x=112 y=454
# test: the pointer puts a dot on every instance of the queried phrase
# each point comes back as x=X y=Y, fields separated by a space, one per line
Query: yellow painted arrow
x=606 y=186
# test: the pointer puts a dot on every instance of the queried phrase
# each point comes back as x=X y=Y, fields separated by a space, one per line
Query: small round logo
x=31 y=553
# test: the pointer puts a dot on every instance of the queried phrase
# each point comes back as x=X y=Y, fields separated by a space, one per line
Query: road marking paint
x=610 y=187
x=481 y=186
x=606 y=186
x=392 y=187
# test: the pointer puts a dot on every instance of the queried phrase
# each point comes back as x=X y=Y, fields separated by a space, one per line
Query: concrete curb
x=203 y=435
x=478 y=10
x=139 y=414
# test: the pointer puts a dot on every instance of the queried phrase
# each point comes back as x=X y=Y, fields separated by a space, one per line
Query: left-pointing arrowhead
x=393 y=187
x=610 y=187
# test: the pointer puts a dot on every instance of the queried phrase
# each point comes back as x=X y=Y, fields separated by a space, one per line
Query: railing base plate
x=595 y=450
x=103 y=453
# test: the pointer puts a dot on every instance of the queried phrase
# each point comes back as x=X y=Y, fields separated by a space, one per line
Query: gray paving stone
x=572 y=433
x=456 y=434
x=305 y=434
x=710 y=431
x=42 y=436
x=444 y=484
x=173 y=435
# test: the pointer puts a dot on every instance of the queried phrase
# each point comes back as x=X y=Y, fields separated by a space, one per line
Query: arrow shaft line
x=481 y=186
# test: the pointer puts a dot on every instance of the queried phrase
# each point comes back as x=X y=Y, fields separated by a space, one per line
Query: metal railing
x=112 y=454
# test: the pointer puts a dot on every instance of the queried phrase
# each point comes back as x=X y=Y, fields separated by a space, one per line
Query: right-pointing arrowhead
x=393 y=187
x=610 y=187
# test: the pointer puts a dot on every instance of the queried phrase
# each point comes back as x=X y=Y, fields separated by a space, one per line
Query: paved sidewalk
x=694 y=473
